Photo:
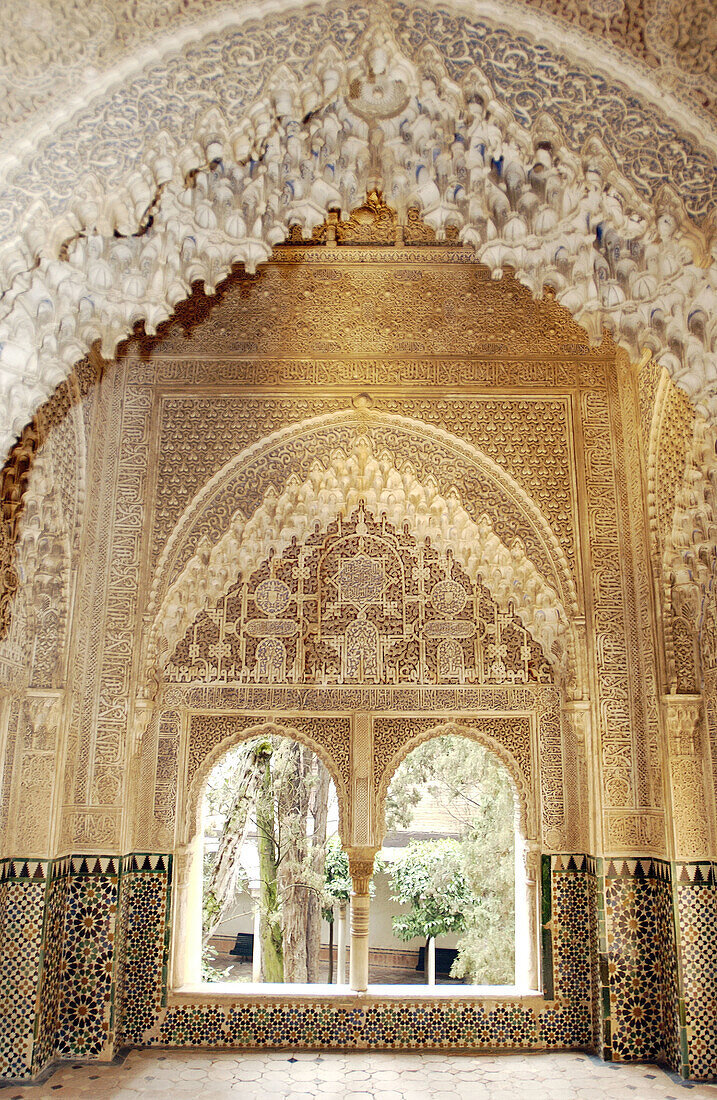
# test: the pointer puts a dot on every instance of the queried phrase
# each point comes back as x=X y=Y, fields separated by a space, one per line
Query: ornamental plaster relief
x=624 y=658
x=56 y=49
x=514 y=187
x=638 y=584
x=34 y=791
x=15 y=478
x=211 y=736
x=667 y=426
x=689 y=557
x=488 y=450
x=286 y=316
x=197 y=431
x=357 y=602
x=687 y=756
x=339 y=741
x=126 y=409
x=395 y=737
x=337 y=489
x=42 y=494
x=43 y=504
x=690 y=550
x=128 y=429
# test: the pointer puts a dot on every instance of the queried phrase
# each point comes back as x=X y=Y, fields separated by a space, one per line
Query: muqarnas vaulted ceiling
x=207 y=157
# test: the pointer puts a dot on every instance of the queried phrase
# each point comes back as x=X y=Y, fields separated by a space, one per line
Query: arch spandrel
x=620 y=253
x=434 y=456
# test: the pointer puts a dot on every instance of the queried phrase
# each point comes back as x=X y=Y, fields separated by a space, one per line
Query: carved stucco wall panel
x=34 y=793
x=708 y=662
x=404 y=448
x=582 y=823
x=270 y=328
x=105 y=618
x=130 y=429
x=688 y=563
x=666 y=424
x=387 y=488
x=637 y=586
x=691 y=808
x=625 y=662
x=528 y=743
x=619 y=254
x=356 y=601
x=11 y=706
x=43 y=486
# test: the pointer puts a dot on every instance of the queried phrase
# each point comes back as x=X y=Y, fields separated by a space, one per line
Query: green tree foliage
x=473 y=788
x=337 y=880
x=430 y=878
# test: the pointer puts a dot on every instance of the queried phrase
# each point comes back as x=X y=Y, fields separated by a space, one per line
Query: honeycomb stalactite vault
x=592 y=193
x=365 y=496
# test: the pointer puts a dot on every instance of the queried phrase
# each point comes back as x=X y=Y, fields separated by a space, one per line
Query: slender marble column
x=341 y=950
x=361 y=871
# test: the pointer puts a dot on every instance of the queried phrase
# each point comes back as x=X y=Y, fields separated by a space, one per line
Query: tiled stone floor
x=215 y=1075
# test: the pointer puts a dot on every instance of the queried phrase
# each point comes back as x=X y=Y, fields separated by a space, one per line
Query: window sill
x=248 y=993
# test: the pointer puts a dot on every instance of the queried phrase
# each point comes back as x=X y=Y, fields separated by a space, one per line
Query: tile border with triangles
x=44 y=870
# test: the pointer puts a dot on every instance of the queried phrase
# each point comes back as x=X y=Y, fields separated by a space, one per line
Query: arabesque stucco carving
x=562 y=215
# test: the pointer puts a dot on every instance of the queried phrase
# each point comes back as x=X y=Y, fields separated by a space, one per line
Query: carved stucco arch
x=525 y=798
x=92 y=256
x=361 y=419
x=546 y=607
x=263 y=728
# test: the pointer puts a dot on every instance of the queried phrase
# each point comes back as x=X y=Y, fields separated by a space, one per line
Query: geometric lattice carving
x=338 y=489
x=358 y=603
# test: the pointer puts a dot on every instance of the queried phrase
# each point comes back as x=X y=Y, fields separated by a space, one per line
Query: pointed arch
x=263 y=728
x=475 y=730
x=96 y=255
x=371 y=462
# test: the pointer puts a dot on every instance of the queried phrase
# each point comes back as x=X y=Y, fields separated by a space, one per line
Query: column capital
x=361 y=864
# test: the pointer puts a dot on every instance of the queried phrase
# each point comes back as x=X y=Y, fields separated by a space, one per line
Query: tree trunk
x=293 y=805
x=222 y=888
x=319 y=808
x=272 y=955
